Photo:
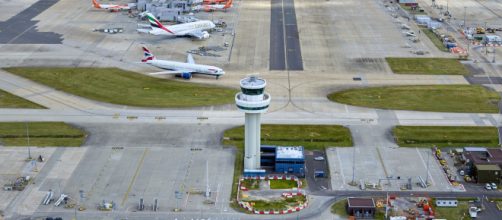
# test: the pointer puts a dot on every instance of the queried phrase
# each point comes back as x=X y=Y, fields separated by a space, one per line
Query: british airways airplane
x=184 y=70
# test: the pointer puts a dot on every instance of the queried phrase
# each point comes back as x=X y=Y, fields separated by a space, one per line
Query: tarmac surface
x=21 y=29
x=311 y=165
x=484 y=80
x=285 y=51
x=292 y=37
x=277 y=47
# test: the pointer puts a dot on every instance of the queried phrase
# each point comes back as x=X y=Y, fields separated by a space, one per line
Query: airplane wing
x=171 y=72
x=148 y=26
x=190 y=59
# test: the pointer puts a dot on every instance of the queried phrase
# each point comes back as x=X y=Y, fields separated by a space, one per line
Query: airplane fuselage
x=196 y=68
x=183 y=29
x=114 y=7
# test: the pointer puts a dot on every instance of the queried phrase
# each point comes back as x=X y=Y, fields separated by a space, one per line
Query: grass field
x=261 y=205
x=434 y=39
x=8 y=100
x=311 y=137
x=40 y=134
x=437 y=98
x=429 y=66
x=251 y=184
x=339 y=208
x=122 y=87
x=462 y=210
x=283 y=184
x=409 y=9
x=445 y=136
x=279 y=204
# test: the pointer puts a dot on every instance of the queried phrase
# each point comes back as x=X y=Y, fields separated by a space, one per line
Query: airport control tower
x=253 y=101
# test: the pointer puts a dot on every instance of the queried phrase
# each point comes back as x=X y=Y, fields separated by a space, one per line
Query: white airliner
x=184 y=70
x=112 y=7
x=197 y=29
x=215 y=7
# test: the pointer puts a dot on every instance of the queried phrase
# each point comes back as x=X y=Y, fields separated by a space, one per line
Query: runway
x=483 y=80
x=285 y=50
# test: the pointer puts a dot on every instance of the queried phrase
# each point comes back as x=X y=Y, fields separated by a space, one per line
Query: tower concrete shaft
x=252 y=141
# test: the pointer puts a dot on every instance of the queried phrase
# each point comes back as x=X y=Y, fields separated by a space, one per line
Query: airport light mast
x=253 y=101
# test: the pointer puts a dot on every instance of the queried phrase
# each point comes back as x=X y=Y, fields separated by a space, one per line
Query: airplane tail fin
x=96 y=4
x=147 y=55
x=154 y=23
x=229 y=4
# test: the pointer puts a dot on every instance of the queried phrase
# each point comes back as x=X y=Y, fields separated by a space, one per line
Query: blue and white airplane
x=184 y=70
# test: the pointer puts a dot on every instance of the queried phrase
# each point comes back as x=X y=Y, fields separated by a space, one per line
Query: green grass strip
x=434 y=39
x=435 y=98
x=41 y=134
x=311 y=137
x=8 y=100
x=459 y=212
x=446 y=136
x=283 y=184
x=122 y=87
x=429 y=66
x=339 y=208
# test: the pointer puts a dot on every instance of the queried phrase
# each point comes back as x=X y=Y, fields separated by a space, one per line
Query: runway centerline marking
x=138 y=167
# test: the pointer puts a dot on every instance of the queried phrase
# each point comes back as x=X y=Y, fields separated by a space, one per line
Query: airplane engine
x=205 y=35
x=186 y=75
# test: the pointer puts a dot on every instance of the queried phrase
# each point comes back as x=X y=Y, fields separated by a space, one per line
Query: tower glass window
x=252 y=91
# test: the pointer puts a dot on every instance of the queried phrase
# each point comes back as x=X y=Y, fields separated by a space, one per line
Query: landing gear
x=217 y=77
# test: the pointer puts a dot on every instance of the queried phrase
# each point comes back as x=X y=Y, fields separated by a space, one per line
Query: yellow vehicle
x=467 y=178
x=480 y=30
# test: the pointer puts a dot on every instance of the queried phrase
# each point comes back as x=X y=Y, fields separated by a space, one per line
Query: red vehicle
x=208 y=2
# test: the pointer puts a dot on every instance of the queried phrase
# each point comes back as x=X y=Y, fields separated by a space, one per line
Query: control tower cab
x=253 y=101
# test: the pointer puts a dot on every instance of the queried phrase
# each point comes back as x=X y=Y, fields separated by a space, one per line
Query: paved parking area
x=169 y=159
x=311 y=165
x=343 y=36
x=13 y=164
x=126 y=175
x=374 y=164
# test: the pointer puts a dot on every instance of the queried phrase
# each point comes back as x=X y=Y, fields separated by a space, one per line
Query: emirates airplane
x=184 y=70
x=112 y=7
x=196 y=29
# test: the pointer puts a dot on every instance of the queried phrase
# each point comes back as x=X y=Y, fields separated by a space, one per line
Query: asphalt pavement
x=277 y=52
x=317 y=183
x=21 y=29
x=285 y=50
x=480 y=80
x=293 y=49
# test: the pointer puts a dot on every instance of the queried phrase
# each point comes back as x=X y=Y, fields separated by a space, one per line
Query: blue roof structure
x=289 y=153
